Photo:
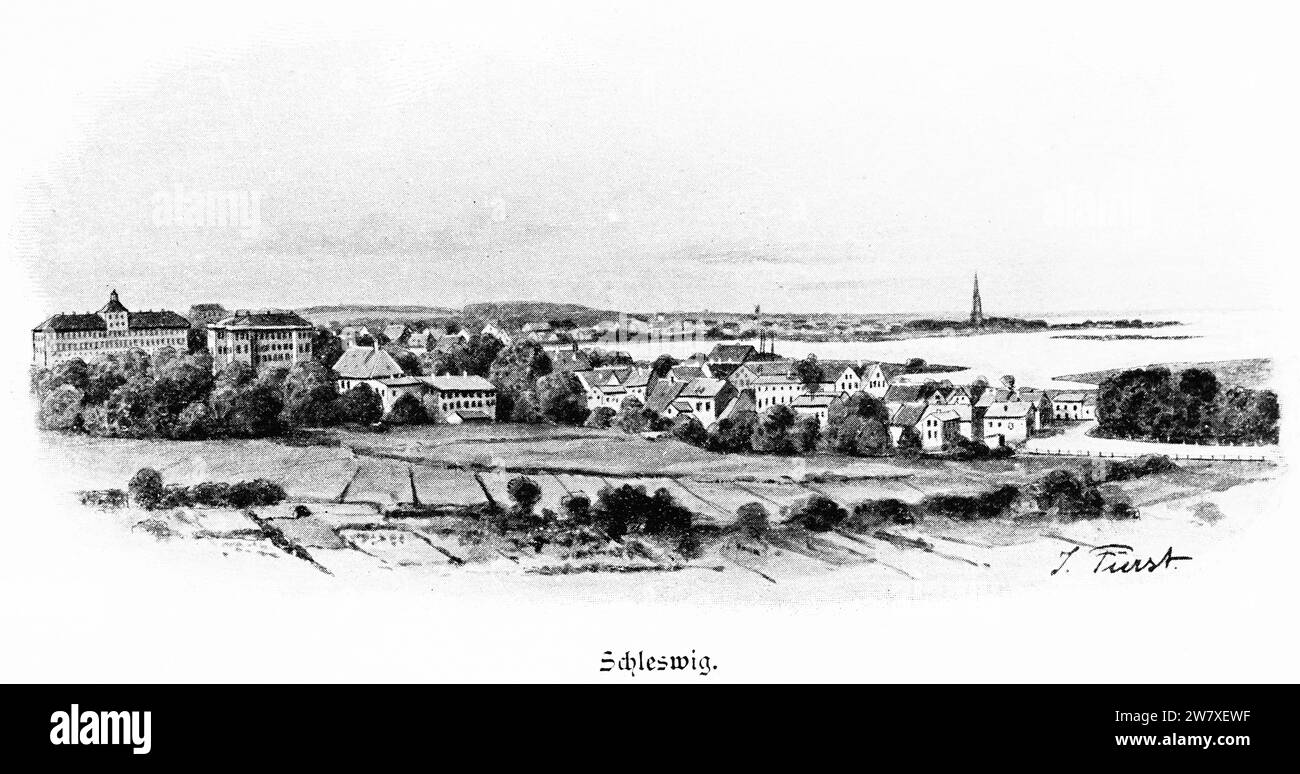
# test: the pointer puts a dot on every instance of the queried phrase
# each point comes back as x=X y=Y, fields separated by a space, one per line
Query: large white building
x=110 y=331
x=268 y=338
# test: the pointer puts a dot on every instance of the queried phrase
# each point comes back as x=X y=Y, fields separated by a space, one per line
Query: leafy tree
x=844 y=435
x=196 y=339
x=326 y=347
x=873 y=439
x=525 y=493
x=733 y=434
x=61 y=409
x=362 y=405
x=631 y=417
x=807 y=431
x=909 y=442
x=577 y=508
x=661 y=367
x=515 y=370
x=600 y=418
x=810 y=373
x=310 y=395
x=407 y=410
x=405 y=359
x=146 y=488
x=752 y=520
x=688 y=429
x=526 y=409
x=73 y=372
x=771 y=434
x=562 y=399
x=817 y=513
x=194 y=422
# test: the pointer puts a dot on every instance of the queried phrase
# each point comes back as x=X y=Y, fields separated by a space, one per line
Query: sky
x=659 y=157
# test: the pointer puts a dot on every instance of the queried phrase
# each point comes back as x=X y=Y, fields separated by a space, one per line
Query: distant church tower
x=976 y=307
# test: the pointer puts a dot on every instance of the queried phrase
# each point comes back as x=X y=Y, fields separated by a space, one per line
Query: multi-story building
x=110 y=331
x=272 y=337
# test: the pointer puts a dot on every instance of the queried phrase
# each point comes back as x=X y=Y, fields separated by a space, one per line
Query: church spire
x=976 y=306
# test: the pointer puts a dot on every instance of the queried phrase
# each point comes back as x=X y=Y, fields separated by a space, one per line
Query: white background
x=81 y=603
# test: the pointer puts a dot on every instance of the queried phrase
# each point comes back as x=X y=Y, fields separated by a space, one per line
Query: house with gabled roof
x=732 y=353
x=396 y=333
x=707 y=398
x=1074 y=406
x=1009 y=422
x=602 y=388
x=663 y=395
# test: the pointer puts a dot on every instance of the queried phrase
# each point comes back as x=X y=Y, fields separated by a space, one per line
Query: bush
x=259 y=491
x=870 y=514
x=577 y=508
x=817 y=513
x=909 y=443
x=733 y=434
x=362 y=405
x=601 y=418
x=561 y=398
x=407 y=410
x=689 y=430
x=525 y=493
x=61 y=409
x=104 y=498
x=752 y=520
x=772 y=433
x=146 y=488
x=526 y=410
x=807 y=431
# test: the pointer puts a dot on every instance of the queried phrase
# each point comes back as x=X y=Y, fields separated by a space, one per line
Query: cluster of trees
x=859 y=426
x=147 y=490
x=1154 y=404
x=619 y=511
x=177 y=396
x=1062 y=494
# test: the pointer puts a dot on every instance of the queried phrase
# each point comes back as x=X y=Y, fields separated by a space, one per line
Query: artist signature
x=1117 y=559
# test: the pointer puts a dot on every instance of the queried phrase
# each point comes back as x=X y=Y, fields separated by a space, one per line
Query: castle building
x=111 y=331
x=271 y=337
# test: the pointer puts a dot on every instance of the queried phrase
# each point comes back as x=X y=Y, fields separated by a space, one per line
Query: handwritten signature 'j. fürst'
x=1117 y=558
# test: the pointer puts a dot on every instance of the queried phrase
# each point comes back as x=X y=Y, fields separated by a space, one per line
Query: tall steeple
x=976 y=307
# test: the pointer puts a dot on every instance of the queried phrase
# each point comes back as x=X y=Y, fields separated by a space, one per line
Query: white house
x=814 y=406
x=1075 y=406
x=1009 y=422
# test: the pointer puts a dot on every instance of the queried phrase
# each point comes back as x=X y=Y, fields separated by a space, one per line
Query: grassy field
x=355 y=484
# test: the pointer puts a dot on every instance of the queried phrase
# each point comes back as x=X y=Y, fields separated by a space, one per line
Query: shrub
x=870 y=514
x=817 y=513
x=601 y=418
x=361 y=405
x=407 y=410
x=525 y=493
x=259 y=491
x=689 y=430
x=146 y=488
x=577 y=508
x=752 y=520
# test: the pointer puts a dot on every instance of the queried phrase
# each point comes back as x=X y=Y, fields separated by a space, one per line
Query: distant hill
x=321 y=315
x=513 y=314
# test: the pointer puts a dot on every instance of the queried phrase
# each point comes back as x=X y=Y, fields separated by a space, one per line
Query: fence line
x=1113 y=455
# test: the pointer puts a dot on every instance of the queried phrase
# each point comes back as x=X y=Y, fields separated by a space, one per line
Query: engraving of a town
x=699 y=316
